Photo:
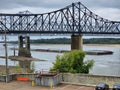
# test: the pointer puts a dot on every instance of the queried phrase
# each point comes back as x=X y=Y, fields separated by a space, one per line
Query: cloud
x=100 y=7
x=57 y=3
x=102 y=3
x=108 y=13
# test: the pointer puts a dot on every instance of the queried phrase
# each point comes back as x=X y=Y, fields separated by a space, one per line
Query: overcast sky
x=109 y=9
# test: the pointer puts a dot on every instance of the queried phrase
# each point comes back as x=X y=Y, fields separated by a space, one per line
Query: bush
x=72 y=62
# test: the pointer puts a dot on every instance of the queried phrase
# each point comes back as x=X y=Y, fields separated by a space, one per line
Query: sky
x=109 y=9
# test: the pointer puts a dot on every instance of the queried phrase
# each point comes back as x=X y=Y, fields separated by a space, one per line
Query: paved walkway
x=20 y=85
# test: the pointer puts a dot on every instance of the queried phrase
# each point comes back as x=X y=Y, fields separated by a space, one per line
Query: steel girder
x=73 y=19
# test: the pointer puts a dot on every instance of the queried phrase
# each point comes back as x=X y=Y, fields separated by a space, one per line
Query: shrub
x=72 y=62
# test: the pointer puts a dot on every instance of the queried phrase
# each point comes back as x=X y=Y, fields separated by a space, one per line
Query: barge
x=99 y=52
x=90 y=52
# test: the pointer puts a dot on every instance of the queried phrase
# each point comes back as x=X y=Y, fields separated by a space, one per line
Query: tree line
x=85 y=41
x=68 y=41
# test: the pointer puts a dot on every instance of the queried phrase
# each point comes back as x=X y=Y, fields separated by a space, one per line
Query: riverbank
x=104 y=45
x=108 y=45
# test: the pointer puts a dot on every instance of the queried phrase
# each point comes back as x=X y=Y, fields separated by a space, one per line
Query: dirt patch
x=19 y=85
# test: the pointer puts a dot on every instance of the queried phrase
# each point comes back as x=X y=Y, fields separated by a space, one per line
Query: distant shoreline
x=68 y=41
x=97 y=45
x=108 y=45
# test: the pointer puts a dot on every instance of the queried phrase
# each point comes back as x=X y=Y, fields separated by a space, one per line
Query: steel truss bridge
x=72 y=19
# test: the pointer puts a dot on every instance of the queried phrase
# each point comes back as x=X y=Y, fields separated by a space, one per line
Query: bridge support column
x=24 y=51
x=76 y=42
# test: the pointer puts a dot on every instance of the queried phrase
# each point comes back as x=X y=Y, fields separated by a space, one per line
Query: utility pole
x=6 y=58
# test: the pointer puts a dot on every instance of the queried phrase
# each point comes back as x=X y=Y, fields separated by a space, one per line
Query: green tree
x=72 y=62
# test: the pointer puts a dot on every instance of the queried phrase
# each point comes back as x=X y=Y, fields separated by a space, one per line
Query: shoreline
x=108 y=45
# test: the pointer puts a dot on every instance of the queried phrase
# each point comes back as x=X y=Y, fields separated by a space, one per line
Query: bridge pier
x=24 y=51
x=76 y=42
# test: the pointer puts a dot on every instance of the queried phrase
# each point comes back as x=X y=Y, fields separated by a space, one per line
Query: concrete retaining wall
x=83 y=79
x=87 y=79
x=14 y=77
x=10 y=78
x=48 y=80
x=2 y=78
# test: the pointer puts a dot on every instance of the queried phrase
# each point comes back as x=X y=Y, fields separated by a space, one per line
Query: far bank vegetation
x=68 y=41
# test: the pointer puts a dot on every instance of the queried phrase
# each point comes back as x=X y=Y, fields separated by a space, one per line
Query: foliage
x=31 y=68
x=18 y=69
x=72 y=62
x=52 y=41
x=85 y=41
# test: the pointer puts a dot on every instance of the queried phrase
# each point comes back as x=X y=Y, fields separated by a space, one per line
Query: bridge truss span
x=72 y=19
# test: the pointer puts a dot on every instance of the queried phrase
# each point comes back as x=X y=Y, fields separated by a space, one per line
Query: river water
x=104 y=64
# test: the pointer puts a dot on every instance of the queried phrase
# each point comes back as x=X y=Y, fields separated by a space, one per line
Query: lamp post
x=6 y=58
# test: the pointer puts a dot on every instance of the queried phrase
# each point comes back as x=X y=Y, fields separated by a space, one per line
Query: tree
x=72 y=62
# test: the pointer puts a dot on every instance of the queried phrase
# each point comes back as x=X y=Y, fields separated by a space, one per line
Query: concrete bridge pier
x=76 y=42
x=24 y=46
x=24 y=51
